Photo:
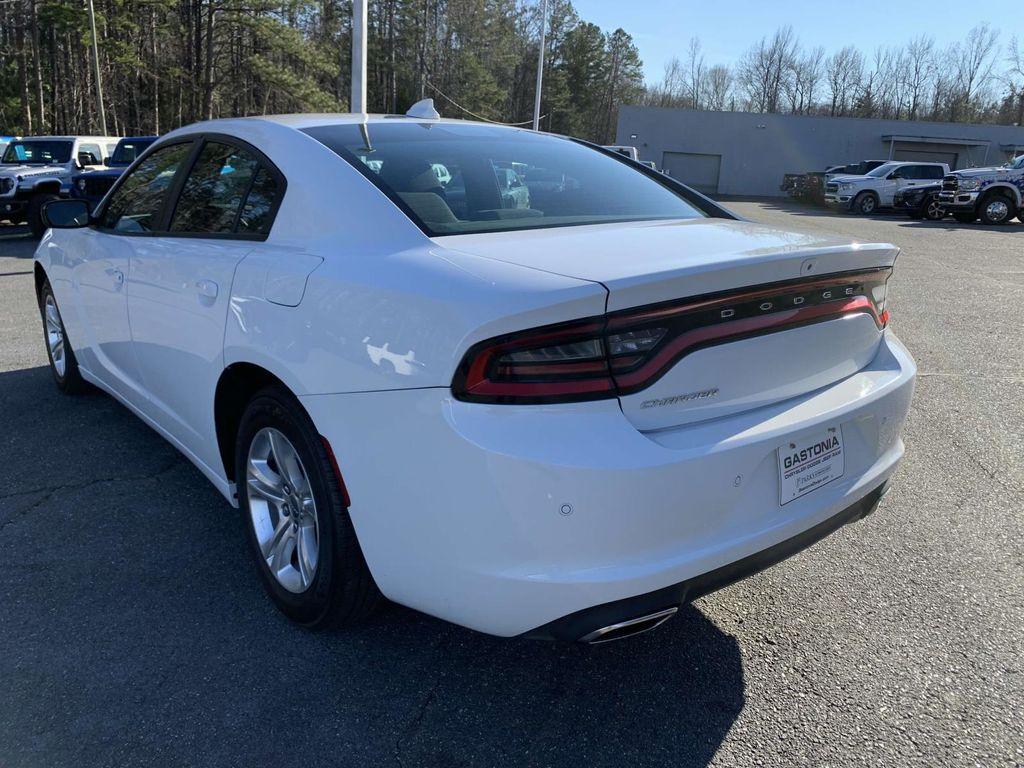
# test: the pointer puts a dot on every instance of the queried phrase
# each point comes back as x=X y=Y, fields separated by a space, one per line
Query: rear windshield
x=455 y=179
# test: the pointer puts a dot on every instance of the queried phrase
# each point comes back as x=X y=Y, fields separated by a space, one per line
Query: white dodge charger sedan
x=510 y=379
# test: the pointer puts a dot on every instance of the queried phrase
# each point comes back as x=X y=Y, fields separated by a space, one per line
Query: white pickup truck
x=875 y=189
x=37 y=169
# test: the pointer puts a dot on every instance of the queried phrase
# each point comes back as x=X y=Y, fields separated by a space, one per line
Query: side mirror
x=66 y=214
x=106 y=161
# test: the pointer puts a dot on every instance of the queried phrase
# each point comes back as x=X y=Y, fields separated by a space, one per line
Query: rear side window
x=259 y=204
x=215 y=190
x=136 y=204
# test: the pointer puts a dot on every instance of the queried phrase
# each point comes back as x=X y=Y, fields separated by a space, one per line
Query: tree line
x=975 y=79
x=166 y=63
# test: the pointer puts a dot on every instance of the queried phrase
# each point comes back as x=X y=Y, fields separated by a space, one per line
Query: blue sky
x=663 y=28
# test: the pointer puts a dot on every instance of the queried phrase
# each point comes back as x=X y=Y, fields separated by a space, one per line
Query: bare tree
x=918 y=72
x=844 y=73
x=805 y=77
x=696 y=74
x=719 y=88
x=764 y=68
x=1013 y=78
x=974 y=61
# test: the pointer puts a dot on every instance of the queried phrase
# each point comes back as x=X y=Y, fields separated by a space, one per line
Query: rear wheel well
x=238 y=384
x=40 y=276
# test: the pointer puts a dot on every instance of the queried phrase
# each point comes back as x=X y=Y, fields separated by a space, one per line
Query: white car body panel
x=460 y=507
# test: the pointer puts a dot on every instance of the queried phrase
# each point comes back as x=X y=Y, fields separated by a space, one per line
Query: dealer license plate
x=808 y=464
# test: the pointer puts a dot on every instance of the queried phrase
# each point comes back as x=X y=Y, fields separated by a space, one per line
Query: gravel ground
x=133 y=630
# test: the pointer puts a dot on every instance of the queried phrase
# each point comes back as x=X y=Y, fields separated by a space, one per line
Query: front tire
x=865 y=204
x=63 y=363
x=35 y=212
x=996 y=209
x=298 y=526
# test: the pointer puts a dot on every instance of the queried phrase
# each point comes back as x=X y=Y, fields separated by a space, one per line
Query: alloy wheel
x=54 y=335
x=933 y=211
x=282 y=509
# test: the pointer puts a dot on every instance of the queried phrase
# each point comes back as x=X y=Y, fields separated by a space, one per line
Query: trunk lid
x=745 y=361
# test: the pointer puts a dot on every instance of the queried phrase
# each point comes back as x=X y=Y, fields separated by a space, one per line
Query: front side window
x=90 y=154
x=455 y=178
x=127 y=150
x=215 y=189
x=37 y=152
x=882 y=170
x=136 y=204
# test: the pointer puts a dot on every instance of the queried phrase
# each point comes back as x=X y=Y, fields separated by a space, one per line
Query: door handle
x=117 y=274
x=207 y=289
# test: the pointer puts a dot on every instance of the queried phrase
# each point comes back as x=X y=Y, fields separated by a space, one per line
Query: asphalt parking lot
x=133 y=630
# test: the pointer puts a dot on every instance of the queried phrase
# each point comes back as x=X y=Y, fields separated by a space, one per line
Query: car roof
x=312 y=120
x=68 y=138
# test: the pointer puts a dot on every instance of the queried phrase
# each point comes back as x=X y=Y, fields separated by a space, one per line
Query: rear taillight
x=627 y=351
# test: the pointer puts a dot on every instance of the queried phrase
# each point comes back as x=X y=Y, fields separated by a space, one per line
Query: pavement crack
x=49 y=491
x=409 y=732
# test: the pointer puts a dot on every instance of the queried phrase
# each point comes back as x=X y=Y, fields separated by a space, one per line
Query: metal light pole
x=96 y=68
x=540 y=63
x=358 y=101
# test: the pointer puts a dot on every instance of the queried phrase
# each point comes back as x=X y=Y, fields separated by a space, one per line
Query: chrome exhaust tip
x=629 y=628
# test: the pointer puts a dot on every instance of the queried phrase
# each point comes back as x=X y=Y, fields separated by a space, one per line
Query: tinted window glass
x=933 y=172
x=127 y=150
x=42 y=152
x=214 y=190
x=136 y=203
x=453 y=178
x=258 y=205
x=90 y=154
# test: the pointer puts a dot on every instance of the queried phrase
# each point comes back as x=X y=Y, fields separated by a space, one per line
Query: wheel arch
x=46 y=186
x=237 y=385
x=39 y=274
x=1002 y=188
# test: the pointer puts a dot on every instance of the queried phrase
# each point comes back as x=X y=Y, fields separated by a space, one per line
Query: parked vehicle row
x=920 y=189
x=37 y=169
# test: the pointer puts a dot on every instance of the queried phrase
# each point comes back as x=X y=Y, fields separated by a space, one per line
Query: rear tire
x=298 y=526
x=933 y=210
x=35 y=212
x=996 y=208
x=63 y=363
x=865 y=204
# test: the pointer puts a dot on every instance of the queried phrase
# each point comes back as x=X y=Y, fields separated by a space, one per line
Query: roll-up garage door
x=694 y=170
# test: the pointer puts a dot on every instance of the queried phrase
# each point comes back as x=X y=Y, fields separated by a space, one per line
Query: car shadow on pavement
x=134 y=631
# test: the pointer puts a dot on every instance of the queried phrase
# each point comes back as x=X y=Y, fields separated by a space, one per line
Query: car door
x=99 y=273
x=887 y=187
x=179 y=286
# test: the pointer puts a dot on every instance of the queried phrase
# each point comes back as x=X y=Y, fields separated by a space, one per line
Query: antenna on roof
x=424 y=110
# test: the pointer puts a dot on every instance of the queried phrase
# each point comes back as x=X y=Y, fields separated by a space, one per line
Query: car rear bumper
x=588 y=624
x=506 y=519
